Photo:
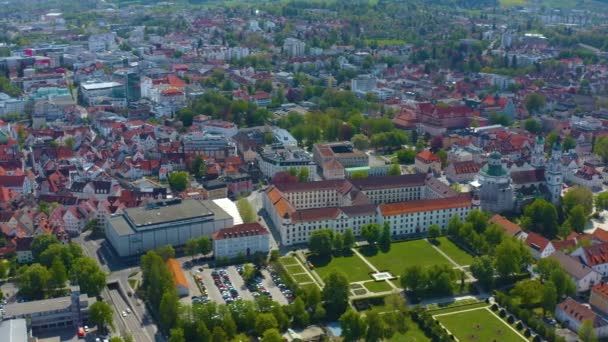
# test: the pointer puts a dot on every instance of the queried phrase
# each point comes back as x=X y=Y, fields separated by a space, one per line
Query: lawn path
x=372 y=266
x=457 y=265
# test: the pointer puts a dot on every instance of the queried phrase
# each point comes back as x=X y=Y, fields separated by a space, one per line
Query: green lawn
x=478 y=325
x=287 y=260
x=293 y=269
x=377 y=286
x=351 y=266
x=448 y=247
x=301 y=278
x=404 y=254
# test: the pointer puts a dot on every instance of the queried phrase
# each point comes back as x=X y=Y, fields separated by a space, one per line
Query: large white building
x=93 y=93
x=294 y=47
x=170 y=222
x=211 y=144
x=54 y=313
x=281 y=160
x=243 y=239
x=416 y=202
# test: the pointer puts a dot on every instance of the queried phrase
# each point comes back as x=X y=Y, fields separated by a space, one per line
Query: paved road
x=129 y=324
x=274 y=290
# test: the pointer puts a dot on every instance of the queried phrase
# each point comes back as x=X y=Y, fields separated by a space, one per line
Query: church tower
x=538 y=153
x=553 y=174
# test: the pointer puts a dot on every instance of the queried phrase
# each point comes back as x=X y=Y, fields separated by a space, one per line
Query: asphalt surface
x=238 y=283
x=129 y=324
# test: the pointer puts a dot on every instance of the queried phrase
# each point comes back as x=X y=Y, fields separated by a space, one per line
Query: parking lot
x=225 y=285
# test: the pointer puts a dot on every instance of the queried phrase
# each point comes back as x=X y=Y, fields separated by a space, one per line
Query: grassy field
x=377 y=286
x=509 y=3
x=301 y=278
x=404 y=254
x=293 y=269
x=352 y=266
x=287 y=260
x=478 y=325
x=448 y=247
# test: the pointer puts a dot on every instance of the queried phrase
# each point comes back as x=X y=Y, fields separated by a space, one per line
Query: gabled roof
x=240 y=230
x=537 y=242
x=428 y=157
x=580 y=313
x=176 y=271
x=528 y=176
x=596 y=254
x=400 y=208
x=571 y=265
x=509 y=227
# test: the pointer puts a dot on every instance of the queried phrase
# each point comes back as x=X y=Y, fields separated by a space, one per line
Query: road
x=118 y=272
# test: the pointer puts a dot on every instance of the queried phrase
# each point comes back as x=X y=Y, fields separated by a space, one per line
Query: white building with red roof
x=539 y=245
x=243 y=239
x=573 y=314
x=427 y=160
x=594 y=256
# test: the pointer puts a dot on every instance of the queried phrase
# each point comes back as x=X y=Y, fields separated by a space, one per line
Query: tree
x=33 y=281
x=321 y=242
x=202 y=332
x=541 y=217
x=338 y=242
x=434 y=232
x=199 y=169
x=360 y=142
x=335 y=294
x=511 y=257
x=577 y=218
x=587 y=333
x=563 y=283
x=406 y=156
x=533 y=126
x=394 y=170
x=443 y=156
x=298 y=311
x=246 y=210
x=59 y=274
x=545 y=266
x=454 y=225
x=248 y=273
x=41 y=243
x=534 y=102
x=191 y=248
x=578 y=195
x=178 y=180
x=377 y=330
x=348 y=239
x=529 y=291
x=549 y=298
x=169 y=307
x=272 y=335
x=600 y=147
x=478 y=219
x=303 y=175
x=205 y=245
x=100 y=314
x=177 y=335
x=601 y=201
x=89 y=276
x=415 y=278
x=385 y=237
x=483 y=270
x=219 y=335
x=371 y=233
x=166 y=252
x=69 y=142
x=263 y=322
x=353 y=326
x=568 y=143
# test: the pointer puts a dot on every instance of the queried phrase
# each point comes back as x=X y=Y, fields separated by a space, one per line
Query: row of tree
x=55 y=264
x=436 y=280
x=325 y=242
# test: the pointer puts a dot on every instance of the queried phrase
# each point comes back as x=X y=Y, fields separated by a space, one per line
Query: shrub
x=541 y=329
x=510 y=319
x=519 y=325
x=494 y=307
x=502 y=313
x=528 y=333
x=537 y=338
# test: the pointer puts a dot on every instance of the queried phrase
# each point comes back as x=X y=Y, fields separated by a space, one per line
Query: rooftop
x=400 y=208
x=177 y=272
x=240 y=230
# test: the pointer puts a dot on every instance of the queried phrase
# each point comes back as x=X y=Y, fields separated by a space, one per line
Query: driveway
x=274 y=290
x=239 y=283
x=212 y=290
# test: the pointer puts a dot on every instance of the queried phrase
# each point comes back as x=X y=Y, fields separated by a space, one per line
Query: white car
x=86 y=328
x=128 y=310
x=124 y=314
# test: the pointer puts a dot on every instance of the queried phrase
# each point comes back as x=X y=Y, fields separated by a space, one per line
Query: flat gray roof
x=146 y=218
x=14 y=330
x=44 y=305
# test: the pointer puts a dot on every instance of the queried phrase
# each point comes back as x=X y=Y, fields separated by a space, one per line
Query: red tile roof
x=427 y=157
x=601 y=289
x=537 y=241
x=579 y=312
x=400 y=208
x=596 y=254
x=176 y=271
x=509 y=227
x=240 y=230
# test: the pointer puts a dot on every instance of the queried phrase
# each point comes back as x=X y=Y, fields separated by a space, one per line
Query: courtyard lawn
x=301 y=278
x=377 y=286
x=404 y=254
x=478 y=325
x=288 y=260
x=461 y=257
x=293 y=269
x=351 y=266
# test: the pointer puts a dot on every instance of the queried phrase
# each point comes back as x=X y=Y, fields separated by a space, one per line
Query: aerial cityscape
x=304 y=170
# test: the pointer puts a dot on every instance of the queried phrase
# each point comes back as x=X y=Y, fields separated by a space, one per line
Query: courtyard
x=478 y=324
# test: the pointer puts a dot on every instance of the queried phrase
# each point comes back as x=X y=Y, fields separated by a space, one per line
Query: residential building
x=599 y=297
x=179 y=279
x=510 y=229
x=24 y=250
x=171 y=222
x=54 y=313
x=583 y=276
x=294 y=47
x=215 y=189
x=342 y=152
x=272 y=161
x=102 y=42
x=243 y=239
x=540 y=246
x=462 y=171
x=363 y=84
x=209 y=144
x=426 y=161
x=594 y=256
x=572 y=314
